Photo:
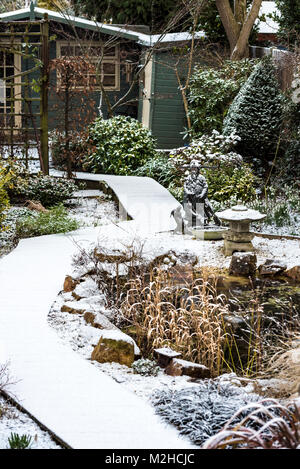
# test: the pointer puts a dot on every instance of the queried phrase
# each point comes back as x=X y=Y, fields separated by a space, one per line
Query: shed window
x=110 y=64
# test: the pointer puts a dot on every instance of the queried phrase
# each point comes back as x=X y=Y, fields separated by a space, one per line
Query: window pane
x=9 y=59
x=109 y=69
x=109 y=80
x=110 y=51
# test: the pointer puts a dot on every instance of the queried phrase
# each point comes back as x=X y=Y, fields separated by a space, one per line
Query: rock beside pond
x=243 y=263
x=294 y=273
x=178 y=367
x=115 y=346
x=272 y=267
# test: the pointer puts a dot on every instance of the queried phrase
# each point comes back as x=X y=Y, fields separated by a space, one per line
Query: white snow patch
x=13 y=420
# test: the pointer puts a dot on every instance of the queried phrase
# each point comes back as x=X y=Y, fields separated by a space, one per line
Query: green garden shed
x=155 y=99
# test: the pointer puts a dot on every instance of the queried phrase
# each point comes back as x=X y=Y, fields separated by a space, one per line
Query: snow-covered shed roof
x=265 y=27
x=139 y=37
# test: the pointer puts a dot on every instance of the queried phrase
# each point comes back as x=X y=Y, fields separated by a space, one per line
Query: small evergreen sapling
x=256 y=114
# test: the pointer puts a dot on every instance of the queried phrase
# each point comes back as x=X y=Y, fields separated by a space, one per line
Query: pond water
x=278 y=296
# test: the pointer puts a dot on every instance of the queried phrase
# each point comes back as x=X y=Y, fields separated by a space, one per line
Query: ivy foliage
x=288 y=20
x=120 y=145
x=256 y=114
x=212 y=90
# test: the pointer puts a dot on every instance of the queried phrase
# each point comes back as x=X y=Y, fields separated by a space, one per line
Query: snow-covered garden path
x=144 y=199
x=79 y=404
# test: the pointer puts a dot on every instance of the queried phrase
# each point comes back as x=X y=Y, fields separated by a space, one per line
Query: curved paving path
x=143 y=198
x=81 y=405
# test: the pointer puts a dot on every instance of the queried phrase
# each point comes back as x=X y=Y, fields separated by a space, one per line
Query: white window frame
x=16 y=85
x=111 y=59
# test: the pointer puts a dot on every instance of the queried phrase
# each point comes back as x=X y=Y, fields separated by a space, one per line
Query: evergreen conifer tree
x=256 y=113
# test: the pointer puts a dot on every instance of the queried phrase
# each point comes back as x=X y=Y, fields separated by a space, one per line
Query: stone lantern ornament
x=239 y=237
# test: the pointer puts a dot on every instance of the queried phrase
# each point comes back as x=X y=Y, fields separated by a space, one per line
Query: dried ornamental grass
x=187 y=318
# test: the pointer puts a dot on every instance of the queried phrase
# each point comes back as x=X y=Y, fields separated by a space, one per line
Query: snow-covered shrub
x=256 y=114
x=264 y=425
x=211 y=92
x=224 y=169
x=200 y=412
x=160 y=168
x=48 y=190
x=8 y=237
x=282 y=207
x=120 y=145
x=145 y=367
x=55 y=220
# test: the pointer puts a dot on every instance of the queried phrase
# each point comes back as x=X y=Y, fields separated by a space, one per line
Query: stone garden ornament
x=238 y=237
x=196 y=211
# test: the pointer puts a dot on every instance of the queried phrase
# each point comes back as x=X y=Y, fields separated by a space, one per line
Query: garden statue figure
x=197 y=210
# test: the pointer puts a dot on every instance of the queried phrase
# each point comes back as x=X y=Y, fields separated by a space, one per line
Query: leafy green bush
x=256 y=114
x=46 y=189
x=17 y=441
x=159 y=168
x=120 y=145
x=212 y=90
x=55 y=220
x=226 y=173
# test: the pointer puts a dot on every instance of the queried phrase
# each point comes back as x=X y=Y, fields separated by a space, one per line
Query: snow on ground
x=93 y=211
x=82 y=337
x=13 y=420
x=73 y=330
x=209 y=253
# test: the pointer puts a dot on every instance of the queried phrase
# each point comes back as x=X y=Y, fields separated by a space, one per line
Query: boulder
x=85 y=289
x=178 y=367
x=165 y=355
x=70 y=284
x=272 y=267
x=98 y=320
x=115 y=346
x=243 y=263
x=294 y=273
x=73 y=308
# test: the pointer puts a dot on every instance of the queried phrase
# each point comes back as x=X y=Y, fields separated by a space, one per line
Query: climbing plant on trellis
x=24 y=81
